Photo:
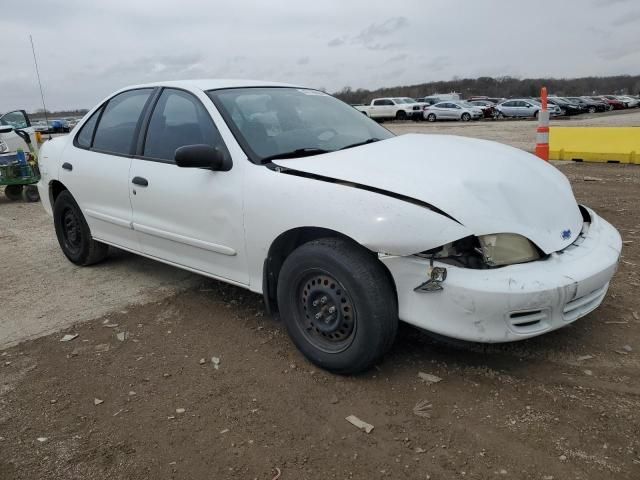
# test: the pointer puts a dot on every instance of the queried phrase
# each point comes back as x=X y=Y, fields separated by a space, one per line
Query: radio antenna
x=35 y=61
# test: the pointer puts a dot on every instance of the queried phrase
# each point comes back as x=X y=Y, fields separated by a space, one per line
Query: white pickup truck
x=398 y=108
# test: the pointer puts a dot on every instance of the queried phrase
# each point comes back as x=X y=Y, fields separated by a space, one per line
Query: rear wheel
x=13 y=192
x=431 y=117
x=31 y=193
x=338 y=305
x=73 y=232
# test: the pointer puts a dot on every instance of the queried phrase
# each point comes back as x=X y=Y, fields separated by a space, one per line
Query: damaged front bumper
x=513 y=302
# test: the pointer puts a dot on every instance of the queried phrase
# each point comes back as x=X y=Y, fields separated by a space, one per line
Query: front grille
x=583 y=305
x=528 y=321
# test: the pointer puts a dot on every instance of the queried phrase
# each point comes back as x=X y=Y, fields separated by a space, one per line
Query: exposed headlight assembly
x=506 y=249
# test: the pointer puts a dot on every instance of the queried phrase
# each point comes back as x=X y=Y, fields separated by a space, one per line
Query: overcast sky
x=89 y=48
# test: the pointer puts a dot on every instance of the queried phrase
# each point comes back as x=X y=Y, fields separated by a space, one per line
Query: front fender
x=276 y=202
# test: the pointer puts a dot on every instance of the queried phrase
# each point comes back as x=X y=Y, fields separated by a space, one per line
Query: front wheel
x=465 y=117
x=13 y=192
x=401 y=115
x=74 y=235
x=338 y=305
x=500 y=115
x=592 y=109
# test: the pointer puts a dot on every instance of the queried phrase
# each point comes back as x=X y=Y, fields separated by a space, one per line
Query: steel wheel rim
x=327 y=316
x=71 y=233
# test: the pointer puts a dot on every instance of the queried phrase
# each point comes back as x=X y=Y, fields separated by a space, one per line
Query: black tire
x=13 y=192
x=465 y=117
x=536 y=114
x=31 y=193
x=333 y=273
x=431 y=117
x=73 y=232
x=592 y=109
x=401 y=115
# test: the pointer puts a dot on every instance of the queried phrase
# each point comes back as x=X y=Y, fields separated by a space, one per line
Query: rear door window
x=85 y=136
x=117 y=128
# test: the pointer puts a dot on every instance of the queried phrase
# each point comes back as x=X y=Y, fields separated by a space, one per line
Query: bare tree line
x=507 y=87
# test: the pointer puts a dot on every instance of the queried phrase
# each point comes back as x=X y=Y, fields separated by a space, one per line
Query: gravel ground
x=109 y=404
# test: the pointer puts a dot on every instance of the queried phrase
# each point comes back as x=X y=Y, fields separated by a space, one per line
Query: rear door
x=188 y=216
x=95 y=168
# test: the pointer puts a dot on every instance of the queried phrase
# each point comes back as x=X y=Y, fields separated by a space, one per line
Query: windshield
x=274 y=121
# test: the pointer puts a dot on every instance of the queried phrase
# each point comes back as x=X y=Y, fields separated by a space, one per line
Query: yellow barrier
x=595 y=144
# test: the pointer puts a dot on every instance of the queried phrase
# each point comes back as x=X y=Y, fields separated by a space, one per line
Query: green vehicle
x=18 y=157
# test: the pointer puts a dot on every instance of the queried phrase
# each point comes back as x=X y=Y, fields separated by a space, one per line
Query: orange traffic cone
x=542 y=135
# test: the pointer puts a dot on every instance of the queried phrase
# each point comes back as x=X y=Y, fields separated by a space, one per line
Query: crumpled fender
x=279 y=202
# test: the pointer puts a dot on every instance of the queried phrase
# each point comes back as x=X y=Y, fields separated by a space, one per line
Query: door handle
x=67 y=166
x=143 y=182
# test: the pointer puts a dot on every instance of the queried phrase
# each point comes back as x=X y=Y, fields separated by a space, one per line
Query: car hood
x=486 y=186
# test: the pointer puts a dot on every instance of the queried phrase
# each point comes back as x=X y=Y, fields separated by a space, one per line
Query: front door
x=188 y=216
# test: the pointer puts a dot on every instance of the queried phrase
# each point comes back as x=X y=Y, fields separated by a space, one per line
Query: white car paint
x=222 y=224
x=387 y=108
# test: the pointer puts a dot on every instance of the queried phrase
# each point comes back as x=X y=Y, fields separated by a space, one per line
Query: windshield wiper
x=299 y=152
x=370 y=140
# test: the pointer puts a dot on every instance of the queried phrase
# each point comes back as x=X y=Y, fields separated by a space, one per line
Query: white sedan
x=342 y=226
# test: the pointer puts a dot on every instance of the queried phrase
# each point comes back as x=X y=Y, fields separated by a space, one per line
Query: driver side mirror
x=202 y=156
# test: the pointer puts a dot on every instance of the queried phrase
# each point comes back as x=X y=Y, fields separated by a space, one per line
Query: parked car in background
x=568 y=108
x=613 y=102
x=488 y=108
x=58 y=126
x=523 y=108
x=494 y=100
x=390 y=109
x=463 y=237
x=429 y=100
x=453 y=111
x=592 y=106
x=629 y=102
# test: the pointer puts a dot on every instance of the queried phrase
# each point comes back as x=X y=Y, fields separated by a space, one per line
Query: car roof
x=211 y=84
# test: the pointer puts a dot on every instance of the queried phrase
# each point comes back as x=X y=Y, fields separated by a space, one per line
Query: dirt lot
x=103 y=408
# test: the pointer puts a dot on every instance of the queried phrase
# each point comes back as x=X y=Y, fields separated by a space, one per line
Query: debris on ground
x=68 y=337
x=582 y=358
x=216 y=362
x=97 y=401
x=627 y=348
x=356 y=422
x=429 y=378
x=202 y=361
x=278 y=473
x=591 y=179
x=180 y=410
x=588 y=372
x=42 y=439
x=122 y=336
x=102 y=347
x=421 y=409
